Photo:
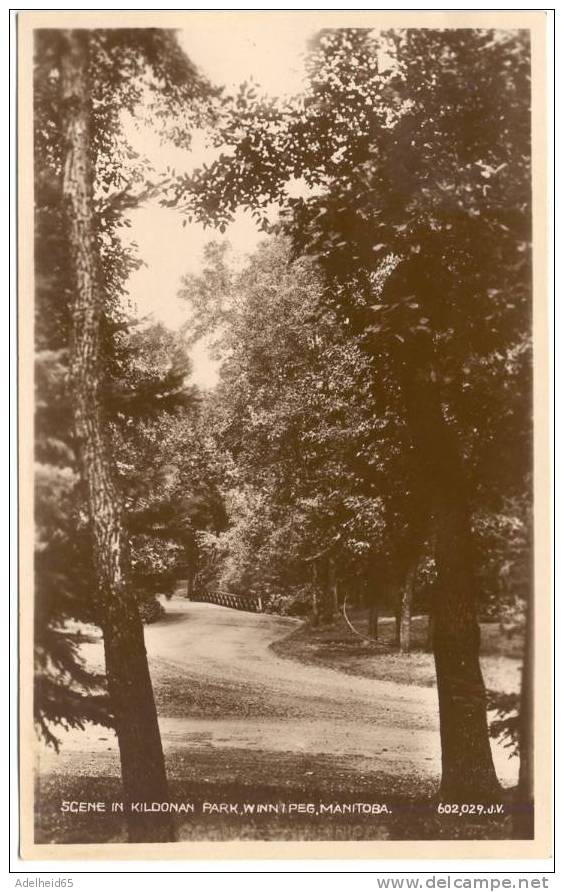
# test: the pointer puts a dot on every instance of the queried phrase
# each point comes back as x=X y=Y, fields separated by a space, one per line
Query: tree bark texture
x=468 y=772
x=127 y=671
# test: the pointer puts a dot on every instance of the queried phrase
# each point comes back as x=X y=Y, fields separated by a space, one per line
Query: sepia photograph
x=282 y=370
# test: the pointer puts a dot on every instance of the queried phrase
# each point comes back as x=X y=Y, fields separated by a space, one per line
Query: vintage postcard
x=284 y=455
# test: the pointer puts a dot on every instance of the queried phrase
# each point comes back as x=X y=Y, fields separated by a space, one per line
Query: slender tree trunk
x=468 y=772
x=406 y=601
x=333 y=591
x=315 y=595
x=314 y=608
x=191 y=549
x=129 y=683
x=373 y=617
x=190 y=583
x=430 y=636
x=523 y=822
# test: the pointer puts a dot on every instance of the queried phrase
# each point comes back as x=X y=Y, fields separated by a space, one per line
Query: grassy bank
x=336 y=646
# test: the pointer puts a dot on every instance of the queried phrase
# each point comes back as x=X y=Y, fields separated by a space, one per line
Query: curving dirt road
x=219 y=686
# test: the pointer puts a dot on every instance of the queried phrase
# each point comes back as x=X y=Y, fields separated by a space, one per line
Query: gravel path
x=220 y=687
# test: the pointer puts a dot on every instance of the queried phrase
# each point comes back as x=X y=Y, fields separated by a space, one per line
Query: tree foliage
x=141 y=375
x=401 y=161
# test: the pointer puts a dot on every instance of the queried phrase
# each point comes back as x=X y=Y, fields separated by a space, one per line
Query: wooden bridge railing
x=251 y=603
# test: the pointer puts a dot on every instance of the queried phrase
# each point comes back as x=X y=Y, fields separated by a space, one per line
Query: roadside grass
x=335 y=646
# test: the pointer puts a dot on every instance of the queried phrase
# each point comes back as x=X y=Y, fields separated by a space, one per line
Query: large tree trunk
x=129 y=683
x=468 y=772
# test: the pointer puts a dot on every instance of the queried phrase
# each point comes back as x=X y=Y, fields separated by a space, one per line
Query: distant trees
x=317 y=466
x=170 y=477
x=413 y=151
